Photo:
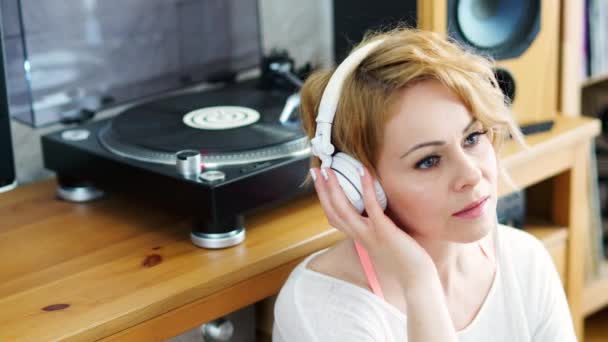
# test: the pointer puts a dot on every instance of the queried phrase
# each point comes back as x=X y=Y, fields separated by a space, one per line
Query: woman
x=425 y=119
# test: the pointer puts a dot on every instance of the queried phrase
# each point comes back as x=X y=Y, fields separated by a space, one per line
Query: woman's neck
x=455 y=261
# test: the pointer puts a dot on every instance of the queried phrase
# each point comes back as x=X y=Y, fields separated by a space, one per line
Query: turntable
x=216 y=154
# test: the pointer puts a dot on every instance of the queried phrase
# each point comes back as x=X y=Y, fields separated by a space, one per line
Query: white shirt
x=526 y=302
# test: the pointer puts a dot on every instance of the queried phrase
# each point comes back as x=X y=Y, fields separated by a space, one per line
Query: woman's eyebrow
x=436 y=142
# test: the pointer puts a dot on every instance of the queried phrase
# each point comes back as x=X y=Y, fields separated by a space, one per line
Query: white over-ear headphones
x=346 y=167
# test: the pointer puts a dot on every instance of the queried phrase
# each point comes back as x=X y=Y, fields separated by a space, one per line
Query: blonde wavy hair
x=405 y=57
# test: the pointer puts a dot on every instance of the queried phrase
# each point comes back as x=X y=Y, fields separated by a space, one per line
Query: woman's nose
x=467 y=172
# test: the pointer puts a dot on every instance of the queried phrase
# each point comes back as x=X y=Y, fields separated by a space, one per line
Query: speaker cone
x=499 y=28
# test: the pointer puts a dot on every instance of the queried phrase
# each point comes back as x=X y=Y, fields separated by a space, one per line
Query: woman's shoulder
x=320 y=294
x=331 y=277
x=519 y=242
x=329 y=270
x=339 y=262
x=525 y=252
x=538 y=283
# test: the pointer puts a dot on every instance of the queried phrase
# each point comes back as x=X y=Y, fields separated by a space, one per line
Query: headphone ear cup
x=347 y=170
x=348 y=177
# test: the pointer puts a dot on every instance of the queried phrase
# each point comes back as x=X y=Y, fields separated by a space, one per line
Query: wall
x=301 y=27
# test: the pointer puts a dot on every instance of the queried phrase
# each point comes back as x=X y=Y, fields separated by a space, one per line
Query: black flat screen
x=7 y=163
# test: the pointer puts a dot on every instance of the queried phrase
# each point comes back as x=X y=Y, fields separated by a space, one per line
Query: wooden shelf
x=595 y=295
x=594 y=80
x=549 y=153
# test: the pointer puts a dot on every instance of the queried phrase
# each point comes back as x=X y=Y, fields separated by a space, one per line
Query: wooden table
x=124 y=268
x=118 y=269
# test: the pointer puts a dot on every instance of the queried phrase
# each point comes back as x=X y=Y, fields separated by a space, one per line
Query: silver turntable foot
x=216 y=241
x=82 y=193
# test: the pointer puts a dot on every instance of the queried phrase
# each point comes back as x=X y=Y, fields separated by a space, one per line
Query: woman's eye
x=428 y=162
x=473 y=138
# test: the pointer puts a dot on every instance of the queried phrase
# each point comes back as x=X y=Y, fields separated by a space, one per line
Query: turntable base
x=84 y=192
x=213 y=167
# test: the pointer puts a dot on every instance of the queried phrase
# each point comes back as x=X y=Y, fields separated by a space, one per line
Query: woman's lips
x=474 y=210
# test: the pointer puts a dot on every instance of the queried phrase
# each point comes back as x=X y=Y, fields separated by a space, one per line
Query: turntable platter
x=239 y=123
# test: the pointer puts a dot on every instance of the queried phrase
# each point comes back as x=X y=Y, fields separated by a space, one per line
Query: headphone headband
x=321 y=143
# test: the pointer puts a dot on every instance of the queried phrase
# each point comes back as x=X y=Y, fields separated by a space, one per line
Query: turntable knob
x=188 y=163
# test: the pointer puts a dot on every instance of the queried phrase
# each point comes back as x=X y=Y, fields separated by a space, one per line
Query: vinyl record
x=232 y=119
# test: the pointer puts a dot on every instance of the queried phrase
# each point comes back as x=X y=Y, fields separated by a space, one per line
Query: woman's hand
x=394 y=253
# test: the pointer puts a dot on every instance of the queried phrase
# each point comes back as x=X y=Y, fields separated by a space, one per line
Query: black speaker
x=352 y=18
x=7 y=162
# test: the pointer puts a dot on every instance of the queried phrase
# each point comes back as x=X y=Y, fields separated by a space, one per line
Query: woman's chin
x=474 y=233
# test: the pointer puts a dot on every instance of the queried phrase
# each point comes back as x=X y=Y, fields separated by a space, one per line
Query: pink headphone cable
x=368 y=268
